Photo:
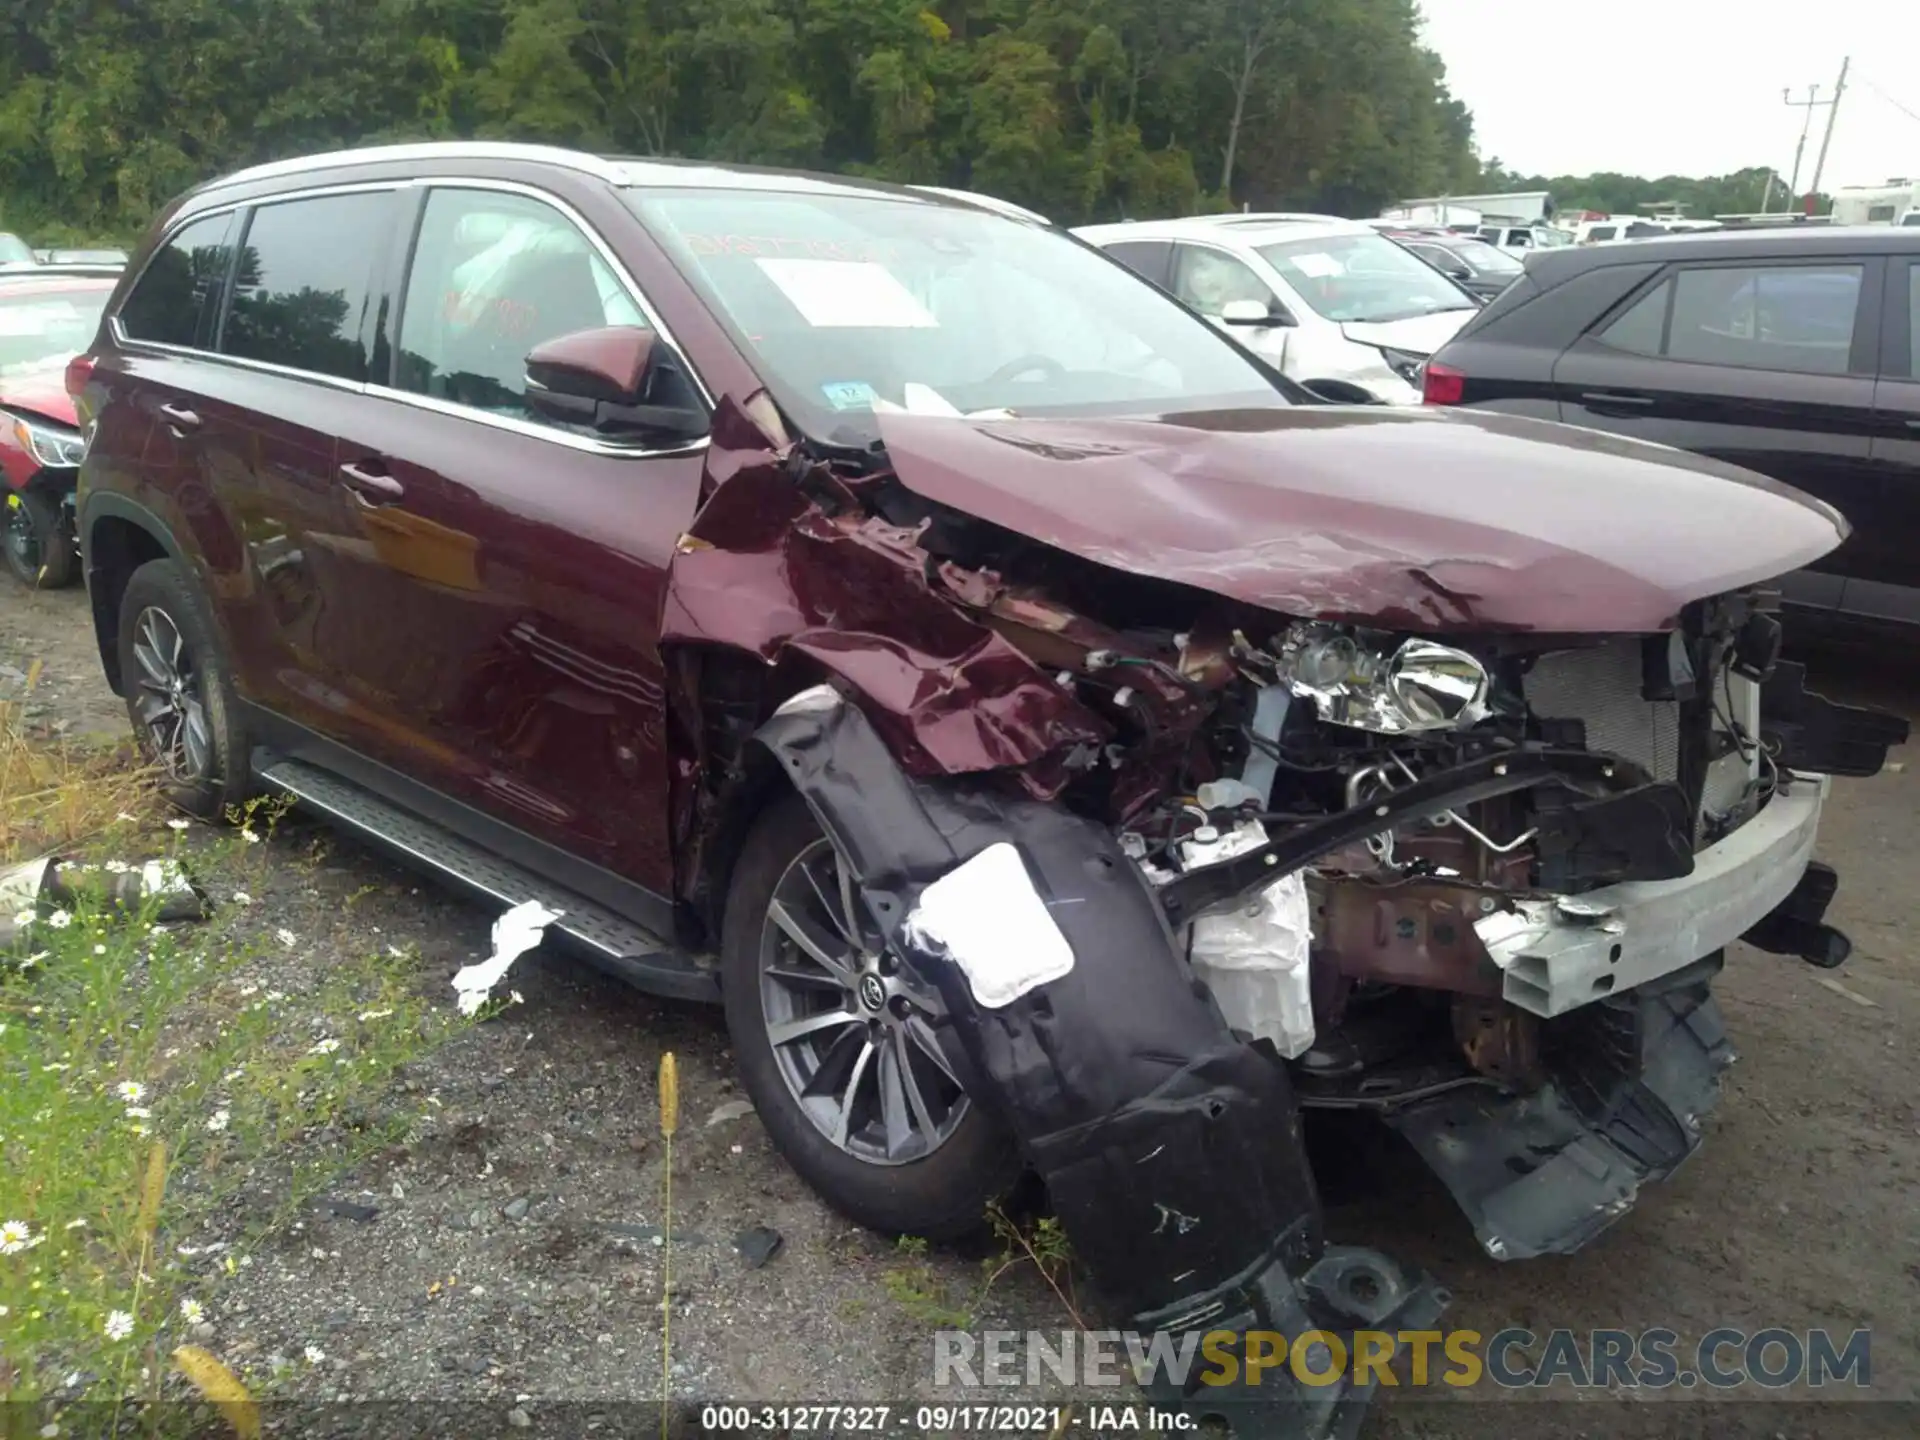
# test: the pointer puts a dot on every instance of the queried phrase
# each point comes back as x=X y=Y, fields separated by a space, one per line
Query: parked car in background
x=46 y=318
x=895 y=622
x=15 y=252
x=1791 y=352
x=1332 y=304
x=1470 y=262
x=115 y=258
x=1525 y=237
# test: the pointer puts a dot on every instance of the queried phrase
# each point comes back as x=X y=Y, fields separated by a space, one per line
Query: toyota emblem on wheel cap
x=873 y=994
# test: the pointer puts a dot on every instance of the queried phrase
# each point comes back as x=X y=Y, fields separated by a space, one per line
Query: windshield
x=42 y=328
x=851 y=303
x=15 y=250
x=1483 y=256
x=1363 y=277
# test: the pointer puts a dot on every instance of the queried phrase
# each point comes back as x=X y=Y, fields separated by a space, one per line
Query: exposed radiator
x=1600 y=687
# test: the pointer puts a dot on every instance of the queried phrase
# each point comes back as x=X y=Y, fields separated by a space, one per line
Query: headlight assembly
x=52 y=446
x=1417 y=686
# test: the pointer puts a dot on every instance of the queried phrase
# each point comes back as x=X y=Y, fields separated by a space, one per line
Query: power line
x=1910 y=114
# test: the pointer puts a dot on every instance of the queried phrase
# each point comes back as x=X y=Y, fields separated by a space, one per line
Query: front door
x=504 y=574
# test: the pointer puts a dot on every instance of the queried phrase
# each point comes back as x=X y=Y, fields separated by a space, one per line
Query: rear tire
x=179 y=694
x=915 y=1156
x=38 y=541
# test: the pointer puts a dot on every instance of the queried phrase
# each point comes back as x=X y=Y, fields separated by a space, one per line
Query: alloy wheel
x=170 y=701
x=851 y=1032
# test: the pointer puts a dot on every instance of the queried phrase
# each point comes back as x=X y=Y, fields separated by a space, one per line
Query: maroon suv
x=1057 y=748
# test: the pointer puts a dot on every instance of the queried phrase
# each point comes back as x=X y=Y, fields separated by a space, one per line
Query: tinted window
x=493 y=276
x=1797 y=318
x=1913 y=320
x=301 y=285
x=169 y=303
x=1643 y=325
x=1209 y=279
x=1602 y=232
x=1143 y=257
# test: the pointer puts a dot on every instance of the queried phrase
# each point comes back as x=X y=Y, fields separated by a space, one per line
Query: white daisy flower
x=15 y=1236
x=324 y=1047
x=240 y=897
x=99 y=949
x=59 y=919
x=217 y=1121
x=118 y=1325
x=24 y=918
x=80 y=1224
x=286 y=938
x=314 y=1354
x=250 y=836
x=516 y=997
x=129 y=819
x=179 y=824
x=131 y=1091
x=139 y=1112
x=191 y=1312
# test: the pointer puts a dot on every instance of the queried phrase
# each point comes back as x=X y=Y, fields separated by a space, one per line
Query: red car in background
x=47 y=315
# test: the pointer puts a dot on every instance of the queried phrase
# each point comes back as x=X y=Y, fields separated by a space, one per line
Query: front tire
x=179 y=696
x=837 y=1049
x=38 y=541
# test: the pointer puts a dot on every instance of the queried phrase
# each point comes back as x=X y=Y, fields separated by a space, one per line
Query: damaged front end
x=1187 y=841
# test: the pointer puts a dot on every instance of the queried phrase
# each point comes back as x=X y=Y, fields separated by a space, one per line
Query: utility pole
x=1833 y=109
x=1809 y=105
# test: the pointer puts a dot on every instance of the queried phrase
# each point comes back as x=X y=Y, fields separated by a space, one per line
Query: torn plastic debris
x=987 y=918
x=36 y=888
x=514 y=933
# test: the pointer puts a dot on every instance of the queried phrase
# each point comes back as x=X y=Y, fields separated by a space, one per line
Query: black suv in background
x=1789 y=353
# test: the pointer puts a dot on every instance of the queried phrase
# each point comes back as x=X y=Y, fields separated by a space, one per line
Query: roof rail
x=424 y=150
x=1263 y=217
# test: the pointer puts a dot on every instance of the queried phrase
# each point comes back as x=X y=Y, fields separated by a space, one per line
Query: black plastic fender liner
x=1172 y=1151
x=1810 y=732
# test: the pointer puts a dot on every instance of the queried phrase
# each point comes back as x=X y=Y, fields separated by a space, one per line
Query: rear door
x=290 y=362
x=499 y=576
x=1885 y=581
x=1765 y=364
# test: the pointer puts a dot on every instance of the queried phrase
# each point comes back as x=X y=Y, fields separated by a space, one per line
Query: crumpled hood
x=1417 y=334
x=1413 y=519
x=40 y=392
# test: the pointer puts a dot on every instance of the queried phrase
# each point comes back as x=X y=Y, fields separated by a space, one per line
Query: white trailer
x=1895 y=203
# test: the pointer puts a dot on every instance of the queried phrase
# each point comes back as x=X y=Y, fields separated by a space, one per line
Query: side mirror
x=1253 y=313
x=1457 y=272
x=601 y=379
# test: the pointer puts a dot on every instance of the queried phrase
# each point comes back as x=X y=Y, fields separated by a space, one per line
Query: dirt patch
x=513 y=1261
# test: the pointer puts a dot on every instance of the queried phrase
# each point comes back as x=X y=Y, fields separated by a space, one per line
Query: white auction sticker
x=839 y=294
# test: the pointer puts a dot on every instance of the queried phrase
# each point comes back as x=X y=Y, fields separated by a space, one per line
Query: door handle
x=179 y=419
x=372 y=487
x=1598 y=398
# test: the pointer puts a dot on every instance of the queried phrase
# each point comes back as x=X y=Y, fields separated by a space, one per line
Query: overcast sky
x=1686 y=87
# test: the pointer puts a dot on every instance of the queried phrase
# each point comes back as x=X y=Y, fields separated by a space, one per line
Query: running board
x=612 y=943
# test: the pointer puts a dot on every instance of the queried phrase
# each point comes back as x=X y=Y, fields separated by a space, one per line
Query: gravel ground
x=513 y=1266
